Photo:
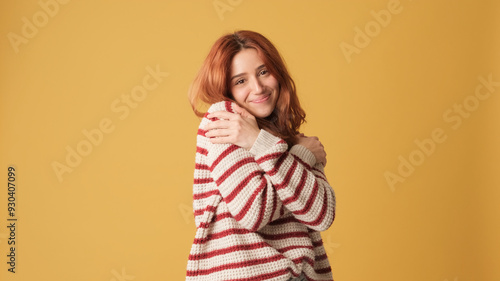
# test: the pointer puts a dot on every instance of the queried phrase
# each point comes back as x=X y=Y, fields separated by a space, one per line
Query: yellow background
x=123 y=213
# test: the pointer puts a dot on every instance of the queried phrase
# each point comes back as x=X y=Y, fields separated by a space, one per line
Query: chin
x=263 y=113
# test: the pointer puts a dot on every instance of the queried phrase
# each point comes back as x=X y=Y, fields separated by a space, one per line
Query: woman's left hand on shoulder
x=239 y=128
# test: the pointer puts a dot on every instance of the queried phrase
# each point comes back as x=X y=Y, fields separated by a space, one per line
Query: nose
x=256 y=86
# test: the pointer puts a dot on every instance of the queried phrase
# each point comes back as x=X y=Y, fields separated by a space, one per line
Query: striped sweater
x=258 y=212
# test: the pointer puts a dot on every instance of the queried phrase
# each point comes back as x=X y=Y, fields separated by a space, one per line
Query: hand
x=238 y=128
x=314 y=145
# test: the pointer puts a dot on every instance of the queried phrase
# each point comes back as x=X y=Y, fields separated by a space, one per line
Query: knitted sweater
x=258 y=212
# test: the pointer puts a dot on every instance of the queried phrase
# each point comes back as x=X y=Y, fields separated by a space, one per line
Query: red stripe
x=201 y=150
x=304 y=259
x=286 y=249
x=321 y=178
x=321 y=257
x=203 y=181
x=268 y=157
x=310 y=201
x=221 y=234
x=319 y=175
x=263 y=205
x=323 y=270
x=202 y=132
x=241 y=185
x=233 y=168
x=211 y=119
x=228 y=106
x=319 y=171
x=202 y=195
x=302 y=161
x=322 y=214
x=277 y=165
x=204 y=225
x=311 y=262
x=284 y=235
x=228 y=250
x=201 y=166
x=275 y=206
x=226 y=152
x=288 y=176
x=318 y=243
x=218 y=217
x=201 y=211
x=222 y=216
x=298 y=189
x=286 y=220
x=234 y=265
x=250 y=202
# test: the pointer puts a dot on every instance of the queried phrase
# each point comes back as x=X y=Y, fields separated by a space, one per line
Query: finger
x=219 y=124
x=218 y=133
x=220 y=140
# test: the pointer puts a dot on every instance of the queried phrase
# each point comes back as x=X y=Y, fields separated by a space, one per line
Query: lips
x=263 y=99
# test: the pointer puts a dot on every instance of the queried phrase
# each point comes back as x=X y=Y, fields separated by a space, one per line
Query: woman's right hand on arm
x=314 y=145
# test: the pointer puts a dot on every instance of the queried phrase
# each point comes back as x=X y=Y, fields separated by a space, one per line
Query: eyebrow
x=241 y=74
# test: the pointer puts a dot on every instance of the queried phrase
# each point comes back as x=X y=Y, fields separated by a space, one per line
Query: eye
x=239 y=81
x=263 y=72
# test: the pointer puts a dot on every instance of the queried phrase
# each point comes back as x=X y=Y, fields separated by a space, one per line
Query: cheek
x=273 y=83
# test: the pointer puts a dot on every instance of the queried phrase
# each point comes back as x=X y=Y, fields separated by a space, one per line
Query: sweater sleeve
x=299 y=181
x=255 y=184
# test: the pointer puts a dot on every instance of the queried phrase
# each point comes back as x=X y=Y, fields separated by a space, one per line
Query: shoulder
x=218 y=106
x=221 y=106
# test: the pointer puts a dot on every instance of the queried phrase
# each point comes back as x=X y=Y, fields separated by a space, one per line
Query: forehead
x=246 y=60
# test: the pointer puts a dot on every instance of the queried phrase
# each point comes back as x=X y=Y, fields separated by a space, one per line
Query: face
x=251 y=84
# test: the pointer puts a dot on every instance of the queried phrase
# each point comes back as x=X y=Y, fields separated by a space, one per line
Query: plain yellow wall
x=392 y=88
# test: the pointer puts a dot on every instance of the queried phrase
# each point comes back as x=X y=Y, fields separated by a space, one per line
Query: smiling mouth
x=262 y=99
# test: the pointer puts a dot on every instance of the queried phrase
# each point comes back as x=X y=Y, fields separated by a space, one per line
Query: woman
x=260 y=194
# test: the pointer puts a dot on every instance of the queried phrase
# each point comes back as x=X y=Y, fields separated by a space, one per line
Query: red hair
x=211 y=85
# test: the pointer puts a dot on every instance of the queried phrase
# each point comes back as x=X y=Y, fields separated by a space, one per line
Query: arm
x=243 y=185
x=251 y=182
x=299 y=181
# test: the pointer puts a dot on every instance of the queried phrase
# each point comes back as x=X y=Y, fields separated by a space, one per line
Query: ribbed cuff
x=264 y=142
x=303 y=153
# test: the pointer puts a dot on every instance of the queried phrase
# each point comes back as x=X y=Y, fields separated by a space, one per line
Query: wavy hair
x=211 y=85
